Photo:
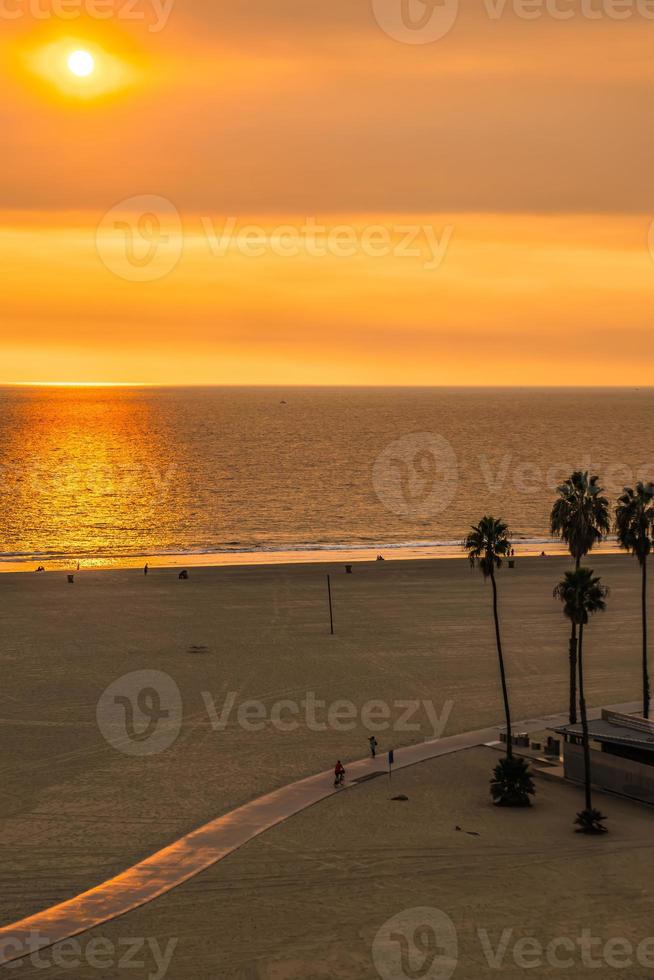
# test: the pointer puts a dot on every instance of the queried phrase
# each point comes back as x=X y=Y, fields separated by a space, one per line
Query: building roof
x=605 y=731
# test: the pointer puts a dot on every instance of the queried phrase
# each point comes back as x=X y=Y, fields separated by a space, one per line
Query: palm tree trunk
x=584 y=719
x=572 y=657
x=500 y=656
x=645 y=668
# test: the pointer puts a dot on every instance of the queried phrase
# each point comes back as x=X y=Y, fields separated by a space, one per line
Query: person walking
x=372 y=741
x=339 y=774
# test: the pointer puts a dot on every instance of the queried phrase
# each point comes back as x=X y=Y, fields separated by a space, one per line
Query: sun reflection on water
x=86 y=469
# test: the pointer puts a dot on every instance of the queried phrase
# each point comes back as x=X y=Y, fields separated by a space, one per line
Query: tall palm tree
x=487 y=544
x=583 y=595
x=634 y=524
x=580 y=517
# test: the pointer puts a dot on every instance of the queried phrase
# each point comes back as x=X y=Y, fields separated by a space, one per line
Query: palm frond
x=634 y=520
x=580 y=515
x=582 y=595
x=488 y=544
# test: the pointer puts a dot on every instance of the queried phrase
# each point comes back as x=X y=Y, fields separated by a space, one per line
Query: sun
x=81 y=63
x=80 y=68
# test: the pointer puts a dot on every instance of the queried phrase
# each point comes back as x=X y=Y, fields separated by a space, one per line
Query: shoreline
x=239 y=559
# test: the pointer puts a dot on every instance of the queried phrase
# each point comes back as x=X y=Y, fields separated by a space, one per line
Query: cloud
x=510 y=296
x=295 y=106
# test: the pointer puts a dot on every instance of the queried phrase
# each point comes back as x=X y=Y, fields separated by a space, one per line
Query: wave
x=277 y=548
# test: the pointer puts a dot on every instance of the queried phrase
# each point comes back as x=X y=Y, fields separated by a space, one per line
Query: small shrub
x=590 y=822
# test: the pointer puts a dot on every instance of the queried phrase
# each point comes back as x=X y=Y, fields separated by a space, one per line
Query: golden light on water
x=84 y=458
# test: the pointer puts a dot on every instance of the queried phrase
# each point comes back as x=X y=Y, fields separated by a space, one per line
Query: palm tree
x=634 y=523
x=580 y=517
x=487 y=544
x=583 y=595
x=512 y=782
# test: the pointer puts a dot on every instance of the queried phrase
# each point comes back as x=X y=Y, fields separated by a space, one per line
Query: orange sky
x=478 y=207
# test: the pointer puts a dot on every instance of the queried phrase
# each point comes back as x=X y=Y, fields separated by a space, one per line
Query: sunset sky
x=511 y=158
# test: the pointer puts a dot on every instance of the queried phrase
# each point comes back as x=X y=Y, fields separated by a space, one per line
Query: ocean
x=110 y=476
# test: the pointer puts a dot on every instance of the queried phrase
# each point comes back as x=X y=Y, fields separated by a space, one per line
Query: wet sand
x=76 y=810
x=227 y=559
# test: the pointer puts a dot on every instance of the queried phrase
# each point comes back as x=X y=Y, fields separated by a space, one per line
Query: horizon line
x=281 y=384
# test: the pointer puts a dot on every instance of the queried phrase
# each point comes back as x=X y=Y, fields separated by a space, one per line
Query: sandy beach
x=77 y=810
x=308 y=899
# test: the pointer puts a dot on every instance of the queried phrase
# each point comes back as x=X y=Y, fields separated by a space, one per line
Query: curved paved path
x=198 y=850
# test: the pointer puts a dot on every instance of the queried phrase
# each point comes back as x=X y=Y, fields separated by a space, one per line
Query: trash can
x=348 y=569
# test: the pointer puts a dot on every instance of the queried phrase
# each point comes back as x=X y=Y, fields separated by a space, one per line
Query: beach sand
x=306 y=900
x=75 y=810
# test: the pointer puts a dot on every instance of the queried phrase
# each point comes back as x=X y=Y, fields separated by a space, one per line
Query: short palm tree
x=487 y=545
x=580 y=517
x=583 y=595
x=634 y=524
x=512 y=783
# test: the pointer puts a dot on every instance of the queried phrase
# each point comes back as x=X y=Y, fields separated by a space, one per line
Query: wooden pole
x=331 y=611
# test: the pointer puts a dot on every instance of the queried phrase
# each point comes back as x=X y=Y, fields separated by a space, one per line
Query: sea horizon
x=296 y=385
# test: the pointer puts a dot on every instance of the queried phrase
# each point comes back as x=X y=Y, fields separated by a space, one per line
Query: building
x=621 y=753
